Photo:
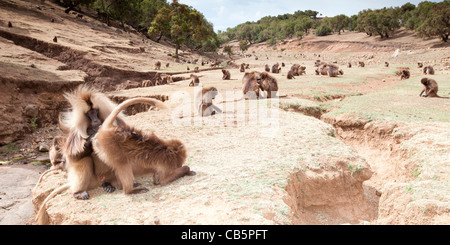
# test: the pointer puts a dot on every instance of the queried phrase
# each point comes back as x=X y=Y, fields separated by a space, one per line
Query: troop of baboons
x=99 y=148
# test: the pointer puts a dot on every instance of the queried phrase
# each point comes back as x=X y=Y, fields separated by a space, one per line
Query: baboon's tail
x=44 y=173
x=112 y=116
x=42 y=216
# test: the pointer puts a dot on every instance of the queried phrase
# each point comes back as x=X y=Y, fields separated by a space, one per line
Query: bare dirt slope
x=367 y=151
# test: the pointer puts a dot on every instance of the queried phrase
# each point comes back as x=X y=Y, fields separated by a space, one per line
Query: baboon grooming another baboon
x=430 y=88
x=428 y=70
x=203 y=102
x=131 y=152
x=85 y=170
x=226 y=74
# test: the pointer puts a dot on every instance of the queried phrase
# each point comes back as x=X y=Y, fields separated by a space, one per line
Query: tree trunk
x=445 y=37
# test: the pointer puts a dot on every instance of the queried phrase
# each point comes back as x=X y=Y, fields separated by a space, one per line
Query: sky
x=230 y=13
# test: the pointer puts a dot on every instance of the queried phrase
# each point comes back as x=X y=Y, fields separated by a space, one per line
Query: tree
x=434 y=19
x=243 y=45
x=227 y=49
x=181 y=23
x=339 y=23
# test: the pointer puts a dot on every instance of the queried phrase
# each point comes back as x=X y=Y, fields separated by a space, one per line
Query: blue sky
x=230 y=13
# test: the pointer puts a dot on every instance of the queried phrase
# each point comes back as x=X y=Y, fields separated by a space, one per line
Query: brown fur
x=226 y=74
x=196 y=69
x=386 y=64
x=132 y=152
x=268 y=84
x=195 y=81
x=250 y=84
x=157 y=65
x=85 y=170
x=242 y=67
x=405 y=74
x=290 y=75
x=267 y=68
x=361 y=64
x=349 y=65
x=430 y=88
x=203 y=102
x=419 y=65
x=276 y=68
x=428 y=70
x=56 y=156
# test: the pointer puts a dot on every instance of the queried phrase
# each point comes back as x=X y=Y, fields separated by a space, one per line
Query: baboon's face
x=425 y=82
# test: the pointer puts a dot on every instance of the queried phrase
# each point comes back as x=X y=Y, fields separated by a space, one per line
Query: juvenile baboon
x=361 y=64
x=275 y=68
x=226 y=74
x=195 y=81
x=55 y=39
x=242 y=67
x=203 y=102
x=167 y=65
x=157 y=65
x=56 y=156
x=428 y=70
x=405 y=74
x=430 y=88
x=131 y=152
x=268 y=83
x=386 y=64
x=282 y=64
x=419 y=65
x=267 y=68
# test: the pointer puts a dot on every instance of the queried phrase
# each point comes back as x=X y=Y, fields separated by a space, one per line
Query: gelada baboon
x=349 y=65
x=298 y=70
x=267 y=68
x=405 y=74
x=242 y=67
x=195 y=81
x=419 y=65
x=196 y=69
x=276 y=68
x=386 y=64
x=56 y=156
x=157 y=65
x=290 y=75
x=163 y=79
x=131 y=152
x=361 y=64
x=428 y=70
x=226 y=74
x=203 y=102
x=334 y=71
x=430 y=88
x=85 y=170
x=269 y=84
